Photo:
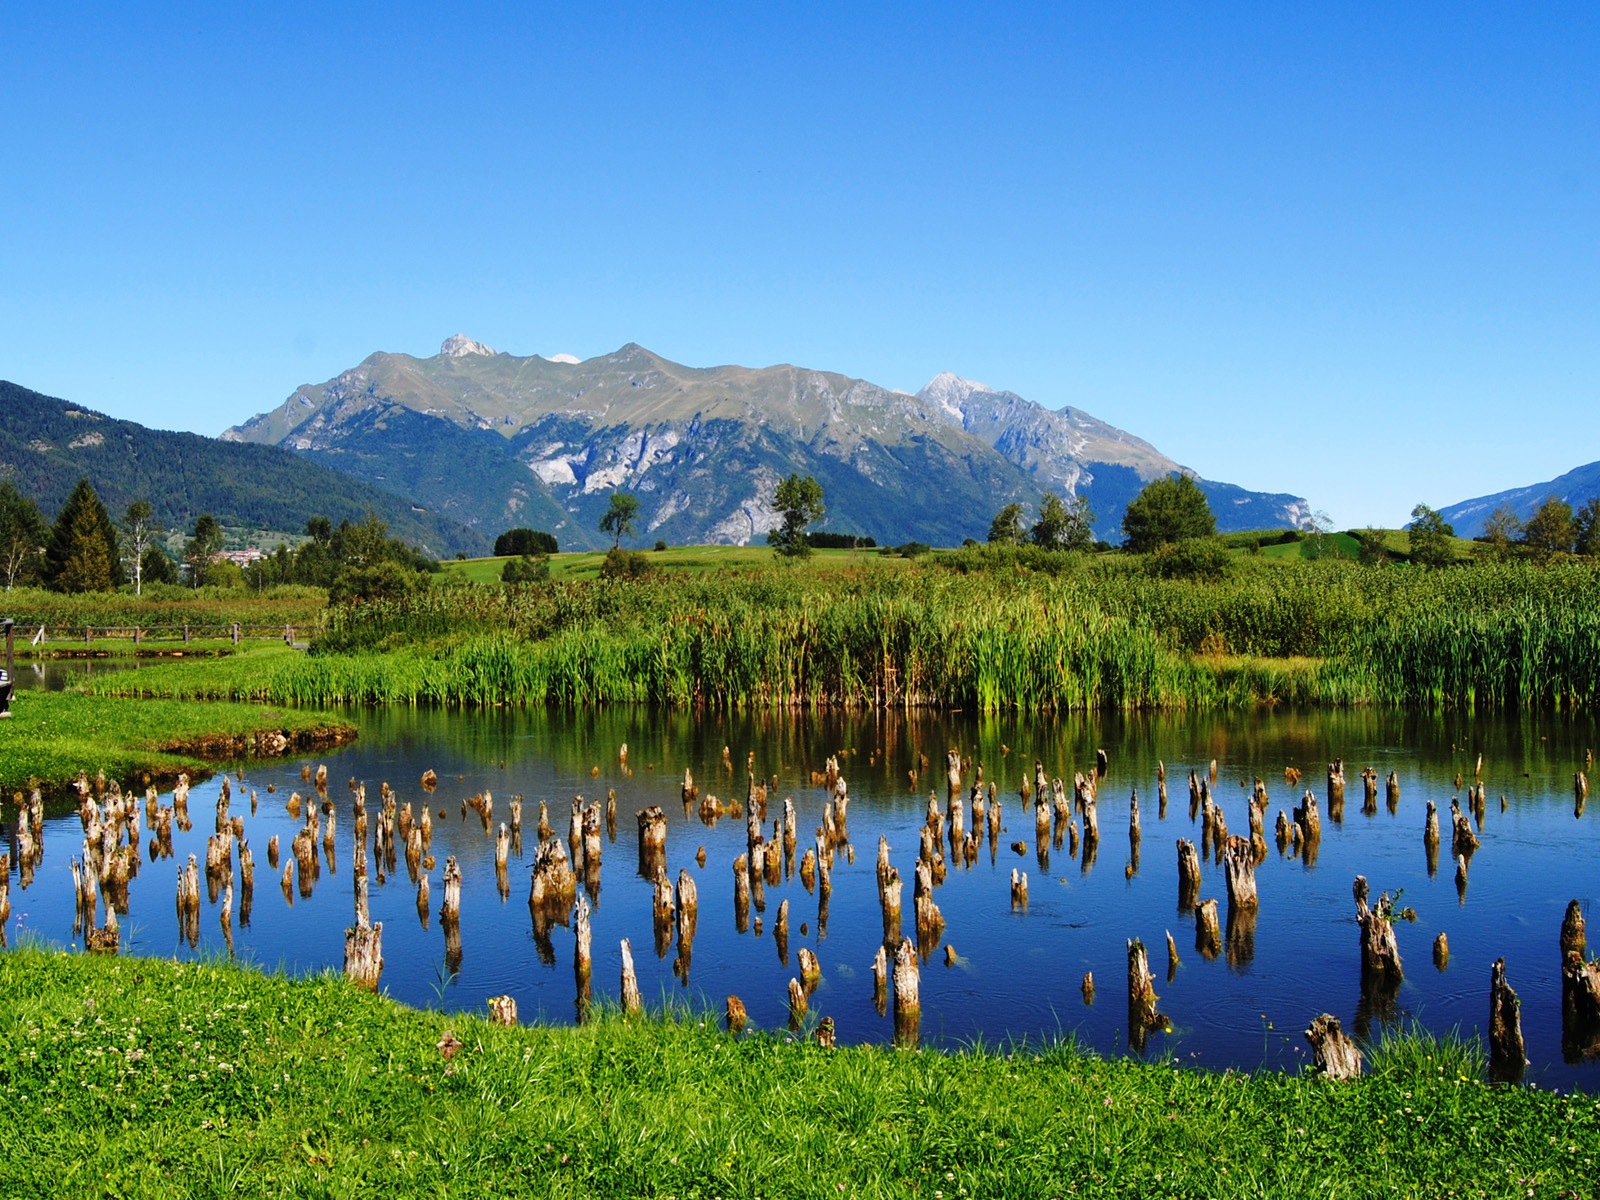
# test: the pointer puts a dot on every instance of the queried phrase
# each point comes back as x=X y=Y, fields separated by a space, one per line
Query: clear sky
x=1350 y=251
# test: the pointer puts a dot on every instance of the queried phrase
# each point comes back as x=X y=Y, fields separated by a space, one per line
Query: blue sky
x=1334 y=250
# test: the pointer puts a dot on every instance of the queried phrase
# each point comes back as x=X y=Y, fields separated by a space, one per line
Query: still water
x=1016 y=973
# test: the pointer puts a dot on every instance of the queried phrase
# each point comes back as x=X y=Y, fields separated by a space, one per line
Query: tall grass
x=1032 y=634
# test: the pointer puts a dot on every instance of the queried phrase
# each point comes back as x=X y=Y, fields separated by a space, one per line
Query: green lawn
x=143 y=1077
x=51 y=736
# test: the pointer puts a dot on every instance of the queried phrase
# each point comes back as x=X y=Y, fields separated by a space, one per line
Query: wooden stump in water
x=1333 y=1054
x=1172 y=957
x=1142 y=1014
x=891 y=908
x=1309 y=821
x=1580 y=1008
x=451 y=910
x=1393 y=792
x=797 y=1005
x=1369 y=799
x=1019 y=889
x=1335 y=787
x=1441 y=952
x=1461 y=877
x=1462 y=840
x=880 y=980
x=1507 y=1056
x=741 y=893
x=1239 y=868
x=652 y=839
x=363 y=953
x=1087 y=987
x=810 y=969
x=1380 y=955
x=1573 y=934
x=1188 y=875
x=907 y=995
x=632 y=1002
x=734 y=1015
x=1207 y=932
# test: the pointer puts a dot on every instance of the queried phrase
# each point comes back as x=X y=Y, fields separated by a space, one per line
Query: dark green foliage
x=1006 y=528
x=22 y=538
x=800 y=502
x=528 y=568
x=1062 y=525
x=1430 y=538
x=823 y=539
x=157 y=567
x=1168 y=510
x=1192 y=558
x=1549 y=531
x=619 y=517
x=49 y=444
x=1586 y=529
x=524 y=541
x=82 y=552
x=624 y=564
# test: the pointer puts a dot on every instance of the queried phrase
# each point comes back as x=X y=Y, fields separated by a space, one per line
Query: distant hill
x=47 y=445
x=549 y=440
x=1577 y=487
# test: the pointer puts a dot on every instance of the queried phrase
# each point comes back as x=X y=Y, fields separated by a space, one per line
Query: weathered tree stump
x=1380 y=954
x=1142 y=1014
x=1462 y=840
x=1392 y=792
x=632 y=1002
x=1507 y=1055
x=1188 y=875
x=1239 y=869
x=1087 y=987
x=1309 y=821
x=734 y=1015
x=1573 y=934
x=1580 y=1008
x=1333 y=1054
x=1441 y=952
x=810 y=969
x=1335 y=788
x=741 y=893
x=363 y=953
x=1172 y=957
x=451 y=909
x=1207 y=932
x=652 y=840
x=891 y=908
x=907 y=995
x=880 y=980
x=1019 y=889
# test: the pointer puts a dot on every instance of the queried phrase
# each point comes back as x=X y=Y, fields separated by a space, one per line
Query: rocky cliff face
x=703 y=448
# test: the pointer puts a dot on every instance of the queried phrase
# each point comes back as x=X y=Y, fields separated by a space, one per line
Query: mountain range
x=493 y=440
x=1577 y=487
x=47 y=445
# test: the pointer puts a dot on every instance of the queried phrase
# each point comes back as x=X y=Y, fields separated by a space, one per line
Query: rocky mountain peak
x=459 y=345
x=948 y=390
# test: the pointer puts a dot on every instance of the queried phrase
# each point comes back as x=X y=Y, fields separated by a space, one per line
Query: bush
x=528 y=568
x=624 y=564
x=1191 y=558
x=823 y=540
x=524 y=542
x=660 y=545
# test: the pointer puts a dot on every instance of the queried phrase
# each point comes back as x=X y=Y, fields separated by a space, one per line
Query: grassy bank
x=143 y=1077
x=51 y=736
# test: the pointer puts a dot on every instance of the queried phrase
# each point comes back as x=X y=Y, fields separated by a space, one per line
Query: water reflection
x=753 y=796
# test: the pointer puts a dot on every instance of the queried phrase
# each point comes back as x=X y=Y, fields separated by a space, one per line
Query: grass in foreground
x=51 y=736
x=142 y=1077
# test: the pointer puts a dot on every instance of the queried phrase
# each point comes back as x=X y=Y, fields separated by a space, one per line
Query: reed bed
x=1099 y=634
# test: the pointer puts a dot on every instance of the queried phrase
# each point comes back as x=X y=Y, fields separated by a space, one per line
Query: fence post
x=236 y=633
x=138 y=635
x=186 y=634
x=88 y=635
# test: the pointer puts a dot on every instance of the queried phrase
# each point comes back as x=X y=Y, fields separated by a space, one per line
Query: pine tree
x=82 y=552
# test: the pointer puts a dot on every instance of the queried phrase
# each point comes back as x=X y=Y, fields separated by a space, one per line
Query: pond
x=1016 y=971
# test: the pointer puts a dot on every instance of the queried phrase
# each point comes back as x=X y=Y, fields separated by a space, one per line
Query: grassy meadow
x=139 y=1077
x=994 y=630
x=52 y=736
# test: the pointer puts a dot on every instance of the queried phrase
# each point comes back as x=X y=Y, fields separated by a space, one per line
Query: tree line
x=84 y=550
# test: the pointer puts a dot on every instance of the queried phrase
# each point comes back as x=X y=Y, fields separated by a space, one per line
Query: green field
x=586 y=564
x=52 y=736
x=143 y=1077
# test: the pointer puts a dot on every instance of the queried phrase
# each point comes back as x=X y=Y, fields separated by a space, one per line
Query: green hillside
x=47 y=445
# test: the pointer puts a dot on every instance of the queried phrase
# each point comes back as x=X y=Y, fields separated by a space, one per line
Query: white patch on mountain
x=459 y=345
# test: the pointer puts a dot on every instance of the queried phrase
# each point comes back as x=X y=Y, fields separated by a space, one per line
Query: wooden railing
x=234 y=632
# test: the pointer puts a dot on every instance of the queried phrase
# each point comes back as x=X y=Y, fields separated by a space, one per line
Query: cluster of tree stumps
x=566 y=866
